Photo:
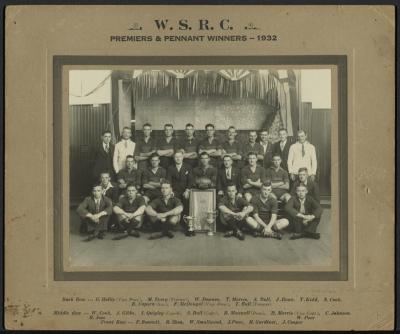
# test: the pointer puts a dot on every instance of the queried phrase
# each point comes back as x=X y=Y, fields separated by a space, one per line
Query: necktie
x=126 y=144
x=228 y=174
x=282 y=145
x=303 y=152
x=107 y=148
x=302 y=208
x=97 y=206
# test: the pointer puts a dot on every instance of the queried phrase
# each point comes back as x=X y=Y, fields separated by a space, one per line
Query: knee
x=174 y=220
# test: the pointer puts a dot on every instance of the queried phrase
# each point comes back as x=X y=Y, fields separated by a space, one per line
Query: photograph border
x=339 y=60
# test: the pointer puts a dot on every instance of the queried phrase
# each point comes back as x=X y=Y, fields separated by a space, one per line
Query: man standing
x=234 y=212
x=282 y=148
x=264 y=220
x=279 y=179
x=305 y=214
x=312 y=186
x=228 y=175
x=232 y=148
x=252 y=146
x=145 y=147
x=166 y=147
x=165 y=211
x=94 y=211
x=266 y=148
x=205 y=175
x=252 y=177
x=103 y=157
x=122 y=149
x=211 y=145
x=152 y=178
x=302 y=154
x=129 y=173
x=129 y=210
x=190 y=146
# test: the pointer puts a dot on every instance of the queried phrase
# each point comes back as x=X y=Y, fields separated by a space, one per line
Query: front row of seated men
x=260 y=215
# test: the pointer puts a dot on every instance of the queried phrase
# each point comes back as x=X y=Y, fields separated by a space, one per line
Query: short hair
x=209 y=125
x=130 y=157
x=106 y=131
x=154 y=155
x=301 y=185
x=188 y=125
x=303 y=169
x=230 y=184
x=168 y=125
x=276 y=155
x=130 y=184
x=251 y=153
x=179 y=151
x=282 y=129
x=301 y=131
x=165 y=181
x=204 y=154
x=253 y=131
x=226 y=156
x=264 y=130
x=94 y=185
x=232 y=127
x=146 y=124
x=104 y=172
x=267 y=184
x=126 y=128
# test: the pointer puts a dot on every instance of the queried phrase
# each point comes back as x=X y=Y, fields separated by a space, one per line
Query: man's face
x=276 y=161
x=178 y=157
x=189 y=131
x=126 y=133
x=130 y=163
x=303 y=176
x=252 y=160
x=252 y=137
x=204 y=160
x=301 y=137
x=168 y=130
x=107 y=138
x=265 y=191
x=282 y=135
x=166 y=189
x=121 y=184
x=231 y=134
x=155 y=161
x=104 y=179
x=96 y=192
x=228 y=162
x=301 y=192
x=147 y=131
x=131 y=192
x=210 y=131
x=264 y=136
x=231 y=191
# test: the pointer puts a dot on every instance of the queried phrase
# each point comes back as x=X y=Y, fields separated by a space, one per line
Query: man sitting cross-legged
x=305 y=213
x=234 y=212
x=165 y=211
x=129 y=210
x=264 y=219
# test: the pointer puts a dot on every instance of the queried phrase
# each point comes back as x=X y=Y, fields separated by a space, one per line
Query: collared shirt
x=264 y=207
x=265 y=146
x=297 y=160
x=163 y=144
x=150 y=176
x=255 y=148
x=234 y=147
x=130 y=206
x=282 y=144
x=106 y=147
x=237 y=205
x=130 y=176
x=258 y=174
x=210 y=172
x=189 y=145
x=228 y=173
x=160 y=206
x=143 y=146
x=122 y=150
x=302 y=207
x=279 y=175
x=206 y=144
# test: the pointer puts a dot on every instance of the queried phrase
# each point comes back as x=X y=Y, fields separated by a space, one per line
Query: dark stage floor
x=201 y=250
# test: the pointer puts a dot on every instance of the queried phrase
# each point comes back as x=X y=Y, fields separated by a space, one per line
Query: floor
x=201 y=250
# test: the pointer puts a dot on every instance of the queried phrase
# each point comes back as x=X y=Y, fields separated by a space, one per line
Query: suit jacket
x=283 y=153
x=312 y=188
x=181 y=180
x=222 y=180
x=267 y=162
x=311 y=207
x=112 y=193
x=103 y=161
x=89 y=206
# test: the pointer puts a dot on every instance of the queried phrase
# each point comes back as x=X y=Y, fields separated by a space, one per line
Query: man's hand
x=220 y=193
x=239 y=195
x=267 y=230
x=186 y=194
x=293 y=177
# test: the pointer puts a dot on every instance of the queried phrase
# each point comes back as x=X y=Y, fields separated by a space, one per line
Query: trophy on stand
x=211 y=217
x=189 y=220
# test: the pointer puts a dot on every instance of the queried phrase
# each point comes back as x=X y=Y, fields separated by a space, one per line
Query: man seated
x=205 y=175
x=129 y=210
x=164 y=211
x=279 y=179
x=312 y=186
x=264 y=220
x=228 y=174
x=130 y=174
x=234 y=211
x=252 y=177
x=107 y=188
x=305 y=214
x=152 y=177
x=94 y=211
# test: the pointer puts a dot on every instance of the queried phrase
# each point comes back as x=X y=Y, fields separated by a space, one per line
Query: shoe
x=228 y=234
x=90 y=237
x=83 y=229
x=192 y=233
x=239 y=235
x=188 y=233
x=100 y=235
x=120 y=237
x=256 y=234
x=312 y=235
x=295 y=236
x=157 y=235
x=168 y=233
x=134 y=233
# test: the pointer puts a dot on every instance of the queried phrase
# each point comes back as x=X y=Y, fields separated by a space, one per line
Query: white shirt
x=296 y=159
x=122 y=149
x=228 y=173
x=282 y=144
x=265 y=146
x=105 y=146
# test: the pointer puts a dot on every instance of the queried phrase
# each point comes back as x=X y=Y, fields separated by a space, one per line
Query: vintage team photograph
x=200 y=167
